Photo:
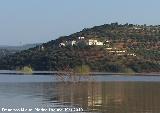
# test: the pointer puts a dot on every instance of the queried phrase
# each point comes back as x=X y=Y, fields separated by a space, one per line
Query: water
x=106 y=94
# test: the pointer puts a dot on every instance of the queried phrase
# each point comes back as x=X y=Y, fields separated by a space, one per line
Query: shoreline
x=91 y=73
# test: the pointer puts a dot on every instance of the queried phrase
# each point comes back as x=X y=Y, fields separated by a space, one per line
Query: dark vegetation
x=4 y=52
x=142 y=40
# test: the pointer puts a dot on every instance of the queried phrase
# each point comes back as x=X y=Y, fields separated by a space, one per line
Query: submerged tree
x=76 y=74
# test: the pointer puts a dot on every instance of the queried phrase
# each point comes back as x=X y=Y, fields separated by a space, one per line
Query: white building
x=80 y=38
x=73 y=42
x=41 y=48
x=99 y=43
x=132 y=54
x=62 y=44
x=94 y=42
x=107 y=41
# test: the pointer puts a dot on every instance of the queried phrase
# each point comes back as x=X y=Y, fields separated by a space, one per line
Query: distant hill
x=19 y=48
x=9 y=50
x=109 y=48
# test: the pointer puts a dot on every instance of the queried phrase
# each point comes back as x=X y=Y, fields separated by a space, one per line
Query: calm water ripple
x=107 y=94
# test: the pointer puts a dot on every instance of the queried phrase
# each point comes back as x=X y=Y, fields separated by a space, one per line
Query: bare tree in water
x=75 y=75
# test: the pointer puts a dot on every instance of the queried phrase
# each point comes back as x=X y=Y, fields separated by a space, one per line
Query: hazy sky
x=32 y=21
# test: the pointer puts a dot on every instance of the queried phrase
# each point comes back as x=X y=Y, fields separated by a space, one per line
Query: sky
x=38 y=21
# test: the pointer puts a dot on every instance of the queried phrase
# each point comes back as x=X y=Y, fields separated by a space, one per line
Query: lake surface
x=103 y=94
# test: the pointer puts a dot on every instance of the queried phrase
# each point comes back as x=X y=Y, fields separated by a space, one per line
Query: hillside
x=108 y=48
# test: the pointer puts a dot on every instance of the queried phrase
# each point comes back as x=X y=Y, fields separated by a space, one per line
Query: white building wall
x=73 y=42
x=92 y=42
x=81 y=37
x=62 y=44
x=99 y=43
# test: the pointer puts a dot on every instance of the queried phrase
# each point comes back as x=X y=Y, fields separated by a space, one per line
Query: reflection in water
x=111 y=97
x=103 y=97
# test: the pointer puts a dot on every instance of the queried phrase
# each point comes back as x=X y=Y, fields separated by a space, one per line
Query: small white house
x=80 y=38
x=132 y=54
x=41 y=48
x=94 y=42
x=62 y=44
x=107 y=41
x=73 y=42
x=99 y=43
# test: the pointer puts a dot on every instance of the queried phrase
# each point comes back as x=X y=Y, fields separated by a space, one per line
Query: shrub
x=27 y=70
x=82 y=70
